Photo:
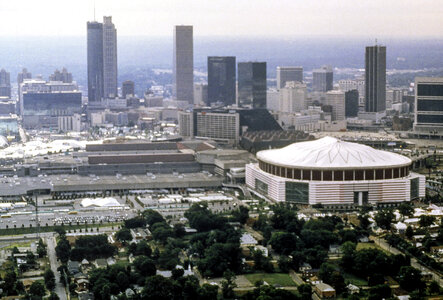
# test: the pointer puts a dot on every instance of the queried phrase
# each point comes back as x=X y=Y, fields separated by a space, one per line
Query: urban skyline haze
x=227 y=18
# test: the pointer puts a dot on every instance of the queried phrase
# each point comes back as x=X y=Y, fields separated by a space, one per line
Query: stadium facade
x=329 y=171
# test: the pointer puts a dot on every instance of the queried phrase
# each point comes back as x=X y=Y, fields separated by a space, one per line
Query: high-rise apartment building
x=63 y=76
x=5 y=84
x=221 y=80
x=109 y=58
x=429 y=105
x=183 y=64
x=336 y=99
x=95 y=61
x=128 y=88
x=375 y=78
x=252 y=84
x=322 y=79
x=285 y=74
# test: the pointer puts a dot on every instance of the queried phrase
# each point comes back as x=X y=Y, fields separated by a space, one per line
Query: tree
x=381 y=291
x=364 y=221
x=347 y=260
x=152 y=217
x=241 y=214
x=305 y=291
x=63 y=249
x=434 y=288
x=179 y=230
x=409 y=232
x=228 y=284
x=325 y=272
x=157 y=287
x=49 y=279
x=284 y=242
x=406 y=209
x=384 y=218
x=426 y=221
x=145 y=266
x=410 y=279
x=143 y=248
x=37 y=289
x=123 y=235
x=122 y=281
x=208 y=292
x=53 y=296
x=41 y=248
x=135 y=222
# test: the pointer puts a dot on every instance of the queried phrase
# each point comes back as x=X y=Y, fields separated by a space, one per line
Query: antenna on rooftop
x=375 y=41
x=94 y=11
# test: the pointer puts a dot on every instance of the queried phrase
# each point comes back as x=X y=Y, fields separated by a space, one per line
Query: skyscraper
x=351 y=103
x=375 y=78
x=5 y=84
x=109 y=58
x=63 y=76
x=128 y=88
x=183 y=64
x=285 y=74
x=221 y=79
x=336 y=99
x=429 y=105
x=293 y=97
x=95 y=61
x=23 y=75
x=252 y=84
x=322 y=79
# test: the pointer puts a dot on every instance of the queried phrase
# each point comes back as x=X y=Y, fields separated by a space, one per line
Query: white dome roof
x=331 y=153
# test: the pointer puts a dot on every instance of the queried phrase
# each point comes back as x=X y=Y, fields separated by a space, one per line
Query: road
x=414 y=263
x=59 y=287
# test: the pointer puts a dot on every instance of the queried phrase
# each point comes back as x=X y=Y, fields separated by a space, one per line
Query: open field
x=282 y=279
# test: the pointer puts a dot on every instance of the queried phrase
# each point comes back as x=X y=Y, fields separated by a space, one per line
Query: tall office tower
x=23 y=75
x=322 y=79
x=293 y=97
x=428 y=115
x=252 y=84
x=285 y=74
x=200 y=94
x=63 y=76
x=128 y=88
x=183 y=64
x=109 y=58
x=336 y=99
x=95 y=61
x=5 y=84
x=351 y=103
x=221 y=79
x=375 y=78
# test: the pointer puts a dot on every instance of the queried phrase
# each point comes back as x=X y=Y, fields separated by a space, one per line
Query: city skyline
x=139 y=18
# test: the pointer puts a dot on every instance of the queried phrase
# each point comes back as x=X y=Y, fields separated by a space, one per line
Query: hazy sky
x=369 y=18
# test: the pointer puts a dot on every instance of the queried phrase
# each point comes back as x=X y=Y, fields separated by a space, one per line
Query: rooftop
x=329 y=152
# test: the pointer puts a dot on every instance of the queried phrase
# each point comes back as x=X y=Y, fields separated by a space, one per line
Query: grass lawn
x=361 y=246
x=18 y=245
x=354 y=279
x=282 y=279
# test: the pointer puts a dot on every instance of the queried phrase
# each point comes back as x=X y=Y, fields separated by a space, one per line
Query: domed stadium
x=333 y=172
